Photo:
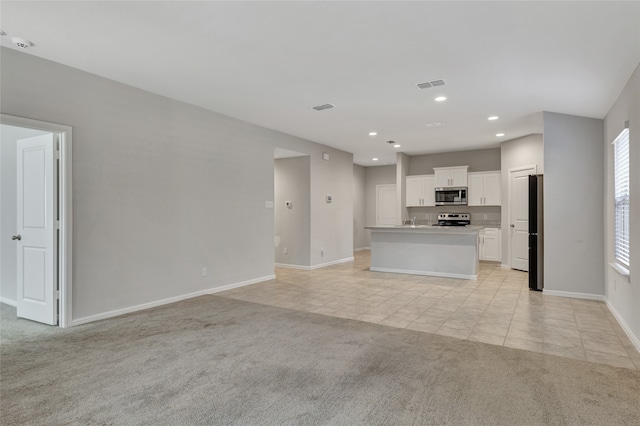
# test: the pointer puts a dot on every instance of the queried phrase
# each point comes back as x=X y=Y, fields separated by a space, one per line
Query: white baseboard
x=573 y=295
x=634 y=339
x=118 y=312
x=334 y=262
x=9 y=302
x=429 y=273
x=505 y=266
x=361 y=249
x=312 y=267
x=292 y=266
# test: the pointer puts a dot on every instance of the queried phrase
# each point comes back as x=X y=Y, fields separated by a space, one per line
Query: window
x=621 y=198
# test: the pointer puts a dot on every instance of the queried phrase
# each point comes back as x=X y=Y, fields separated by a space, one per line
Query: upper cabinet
x=450 y=176
x=420 y=191
x=484 y=189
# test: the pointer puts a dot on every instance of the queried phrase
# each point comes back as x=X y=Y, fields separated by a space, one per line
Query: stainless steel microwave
x=451 y=196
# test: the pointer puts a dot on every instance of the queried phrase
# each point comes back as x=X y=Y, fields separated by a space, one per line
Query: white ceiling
x=270 y=62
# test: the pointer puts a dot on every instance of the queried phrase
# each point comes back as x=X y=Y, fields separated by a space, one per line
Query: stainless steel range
x=453 y=219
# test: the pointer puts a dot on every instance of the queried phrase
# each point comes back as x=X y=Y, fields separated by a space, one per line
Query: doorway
x=292 y=209
x=519 y=217
x=36 y=238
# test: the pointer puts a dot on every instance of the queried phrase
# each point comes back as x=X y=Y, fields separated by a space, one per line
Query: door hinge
x=57 y=155
x=57 y=295
x=57 y=224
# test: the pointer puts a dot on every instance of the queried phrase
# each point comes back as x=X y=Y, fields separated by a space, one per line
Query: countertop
x=469 y=229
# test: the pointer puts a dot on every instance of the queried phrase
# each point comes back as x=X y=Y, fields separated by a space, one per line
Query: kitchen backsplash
x=482 y=216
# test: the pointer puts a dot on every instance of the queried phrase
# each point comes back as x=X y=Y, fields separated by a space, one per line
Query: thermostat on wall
x=329 y=198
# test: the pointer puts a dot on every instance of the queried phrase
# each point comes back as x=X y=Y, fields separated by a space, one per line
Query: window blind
x=621 y=197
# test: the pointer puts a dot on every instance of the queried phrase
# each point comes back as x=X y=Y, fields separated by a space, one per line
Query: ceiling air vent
x=21 y=43
x=427 y=84
x=323 y=107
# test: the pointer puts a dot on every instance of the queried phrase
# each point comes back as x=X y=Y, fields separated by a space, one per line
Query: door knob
x=16 y=237
x=512 y=225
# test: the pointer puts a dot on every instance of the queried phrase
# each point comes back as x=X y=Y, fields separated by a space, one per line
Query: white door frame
x=512 y=170
x=64 y=205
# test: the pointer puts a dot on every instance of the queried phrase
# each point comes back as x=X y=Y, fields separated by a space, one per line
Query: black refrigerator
x=536 y=234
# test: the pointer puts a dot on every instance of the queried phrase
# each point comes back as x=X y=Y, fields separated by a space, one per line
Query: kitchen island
x=441 y=251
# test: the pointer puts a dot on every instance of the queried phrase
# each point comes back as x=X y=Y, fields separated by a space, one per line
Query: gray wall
x=331 y=223
x=402 y=168
x=479 y=160
x=379 y=175
x=623 y=294
x=292 y=181
x=525 y=151
x=8 y=221
x=162 y=188
x=573 y=200
x=359 y=201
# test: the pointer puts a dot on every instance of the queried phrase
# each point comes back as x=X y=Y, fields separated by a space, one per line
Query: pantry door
x=519 y=216
x=386 y=202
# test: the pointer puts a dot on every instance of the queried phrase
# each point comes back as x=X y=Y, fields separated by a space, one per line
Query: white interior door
x=519 y=217
x=386 y=205
x=36 y=229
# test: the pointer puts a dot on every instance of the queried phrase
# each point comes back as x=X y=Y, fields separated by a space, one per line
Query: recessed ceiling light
x=397 y=145
x=374 y=159
x=499 y=135
x=493 y=117
x=441 y=98
x=435 y=124
x=373 y=133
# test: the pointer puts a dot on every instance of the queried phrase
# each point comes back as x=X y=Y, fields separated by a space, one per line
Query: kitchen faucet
x=413 y=221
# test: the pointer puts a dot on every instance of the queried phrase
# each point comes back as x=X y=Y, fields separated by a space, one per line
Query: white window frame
x=621 y=202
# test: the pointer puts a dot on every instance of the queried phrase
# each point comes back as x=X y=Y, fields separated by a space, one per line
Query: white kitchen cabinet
x=490 y=244
x=484 y=189
x=450 y=176
x=420 y=191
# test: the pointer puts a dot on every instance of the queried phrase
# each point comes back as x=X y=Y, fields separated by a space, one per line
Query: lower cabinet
x=490 y=244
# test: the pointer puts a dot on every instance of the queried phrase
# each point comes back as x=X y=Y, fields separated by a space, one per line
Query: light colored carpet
x=213 y=360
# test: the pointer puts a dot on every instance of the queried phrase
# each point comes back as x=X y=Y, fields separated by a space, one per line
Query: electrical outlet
x=204 y=272
x=484 y=216
x=286 y=250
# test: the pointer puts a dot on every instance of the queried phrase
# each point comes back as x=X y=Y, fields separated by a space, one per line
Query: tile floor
x=497 y=308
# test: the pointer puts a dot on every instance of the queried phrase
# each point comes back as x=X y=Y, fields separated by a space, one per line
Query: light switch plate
x=268 y=204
